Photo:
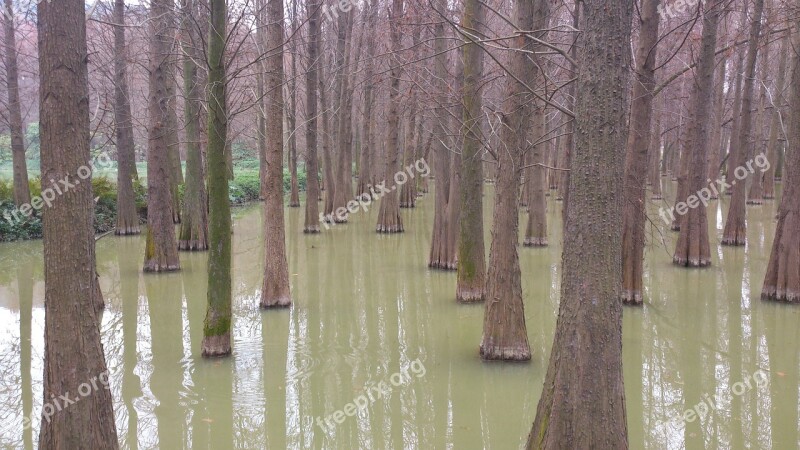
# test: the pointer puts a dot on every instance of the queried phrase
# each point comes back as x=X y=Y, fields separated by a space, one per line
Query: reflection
x=129 y=297
x=25 y=291
x=164 y=301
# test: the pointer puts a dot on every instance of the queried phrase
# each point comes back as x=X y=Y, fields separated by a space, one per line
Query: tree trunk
x=328 y=173
x=718 y=111
x=471 y=281
x=74 y=362
x=775 y=130
x=294 y=196
x=636 y=151
x=655 y=158
x=127 y=217
x=275 y=291
x=365 y=173
x=389 y=220
x=439 y=257
x=536 y=232
x=217 y=325
x=161 y=250
x=312 y=86
x=735 y=232
x=782 y=280
x=692 y=249
x=755 y=195
x=194 y=226
x=344 y=175
x=505 y=336
x=583 y=398
x=22 y=192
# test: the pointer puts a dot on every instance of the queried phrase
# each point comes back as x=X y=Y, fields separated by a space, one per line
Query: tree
x=161 y=249
x=782 y=280
x=74 y=355
x=217 y=328
x=389 y=220
x=636 y=152
x=312 y=85
x=127 y=218
x=194 y=224
x=22 y=193
x=470 y=286
x=443 y=248
x=583 y=398
x=692 y=249
x=735 y=232
x=534 y=189
x=291 y=116
x=775 y=131
x=275 y=291
x=504 y=333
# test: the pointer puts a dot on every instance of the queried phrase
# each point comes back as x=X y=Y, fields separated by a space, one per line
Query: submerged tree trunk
x=389 y=220
x=782 y=281
x=127 y=218
x=718 y=112
x=505 y=336
x=161 y=249
x=344 y=156
x=294 y=196
x=470 y=286
x=692 y=249
x=365 y=173
x=755 y=195
x=536 y=232
x=275 y=290
x=194 y=224
x=73 y=355
x=217 y=329
x=655 y=158
x=583 y=398
x=312 y=85
x=775 y=130
x=636 y=151
x=22 y=193
x=735 y=232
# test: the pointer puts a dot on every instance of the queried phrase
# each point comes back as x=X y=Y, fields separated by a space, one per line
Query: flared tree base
x=520 y=352
x=192 y=246
x=128 y=231
x=279 y=302
x=783 y=296
x=312 y=229
x=152 y=266
x=443 y=265
x=691 y=263
x=632 y=298
x=469 y=295
x=216 y=346
x=755 y=201
x=389 y=229
x=535 y=242
x=656 y=197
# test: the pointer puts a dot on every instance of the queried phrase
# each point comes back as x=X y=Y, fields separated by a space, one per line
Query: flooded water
x=372 y=325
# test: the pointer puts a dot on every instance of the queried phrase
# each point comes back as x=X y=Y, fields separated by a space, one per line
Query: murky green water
x=366 y=307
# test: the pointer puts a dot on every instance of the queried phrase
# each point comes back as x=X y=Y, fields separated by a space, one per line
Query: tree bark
x=735 y=232
x=389 y=220
x=505 y=336
x=22 y=192
x=775 y=129
x=755 y=195
x=194 y=226
x=127 y=217
x=275 y=291
x=294 y=196
x=692 y=249
x=470 y=286
x=312 y=86
x=636 y=151
x=217 y=325
x=73 y=355
x=782 y=280
x=536 y=232
x=583 y=397
x=161 y=249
